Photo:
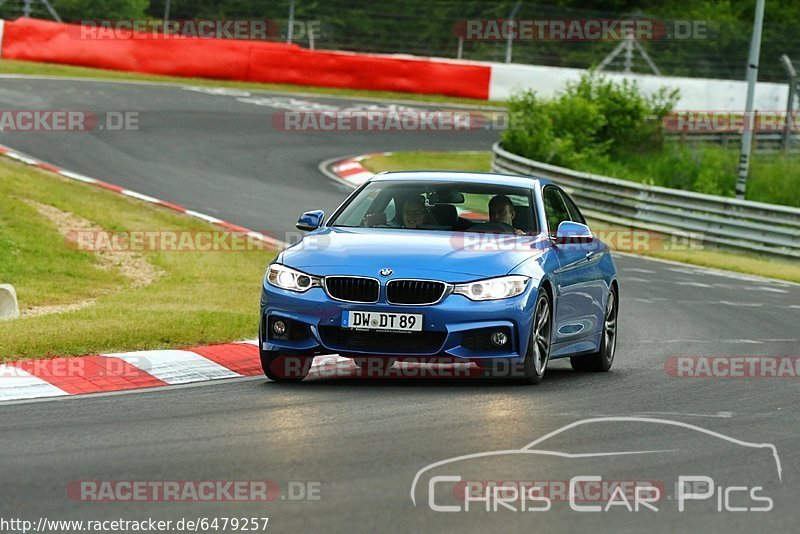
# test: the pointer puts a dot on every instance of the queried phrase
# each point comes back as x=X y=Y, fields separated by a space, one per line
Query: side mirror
x=572 y=232
x=310 y=220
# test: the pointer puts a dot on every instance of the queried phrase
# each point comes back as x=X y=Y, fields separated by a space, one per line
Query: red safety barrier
x=229 y=59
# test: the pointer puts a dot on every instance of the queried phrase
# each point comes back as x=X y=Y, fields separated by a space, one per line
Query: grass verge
x=31 y=68
x=74 y=302
x=481 y=162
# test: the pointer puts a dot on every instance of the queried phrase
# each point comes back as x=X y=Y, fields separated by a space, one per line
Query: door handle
x=589 y=255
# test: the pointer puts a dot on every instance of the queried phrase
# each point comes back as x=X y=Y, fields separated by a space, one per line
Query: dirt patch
x=133 y=266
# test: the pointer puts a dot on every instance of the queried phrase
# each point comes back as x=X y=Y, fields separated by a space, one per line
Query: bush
x=591 y=121
x=610 y=128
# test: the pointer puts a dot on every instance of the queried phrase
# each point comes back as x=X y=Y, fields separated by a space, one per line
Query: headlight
x=287 y=278
x=494 y=288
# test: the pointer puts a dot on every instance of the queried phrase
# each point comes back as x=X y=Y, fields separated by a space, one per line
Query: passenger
x=501 y=210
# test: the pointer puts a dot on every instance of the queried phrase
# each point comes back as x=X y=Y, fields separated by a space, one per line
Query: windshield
x=442 y=206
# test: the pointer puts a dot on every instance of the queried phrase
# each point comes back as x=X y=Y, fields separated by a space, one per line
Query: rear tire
x=602 y=360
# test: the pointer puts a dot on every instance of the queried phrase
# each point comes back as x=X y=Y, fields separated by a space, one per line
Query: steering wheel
x=499 y=227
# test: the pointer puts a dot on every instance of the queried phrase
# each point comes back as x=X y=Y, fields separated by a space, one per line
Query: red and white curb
x=60 y=377
x=350 y=171
x=55 y=377
x=28 y=160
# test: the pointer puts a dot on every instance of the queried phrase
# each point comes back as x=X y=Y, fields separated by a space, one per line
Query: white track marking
x=79 y=177
x=693 y=284
x=763 y=288
x=23 y=159
x=741 y=304
x=203 y=216
x=134 y=194
x=685 y=270
x=15 y=384
x=720 y=415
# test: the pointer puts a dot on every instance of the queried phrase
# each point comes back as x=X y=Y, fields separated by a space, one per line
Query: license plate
x=400 y=322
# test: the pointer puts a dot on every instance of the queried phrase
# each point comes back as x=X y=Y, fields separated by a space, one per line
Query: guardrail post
x=510 y=40
x=789 y=124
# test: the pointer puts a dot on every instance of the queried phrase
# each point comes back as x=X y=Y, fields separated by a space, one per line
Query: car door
x=595 y=252
x=576 y=279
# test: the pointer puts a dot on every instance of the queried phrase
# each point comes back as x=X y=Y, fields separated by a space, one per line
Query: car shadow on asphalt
x=561 y=376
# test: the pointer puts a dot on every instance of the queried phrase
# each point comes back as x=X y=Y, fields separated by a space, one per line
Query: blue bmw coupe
x=431 y=266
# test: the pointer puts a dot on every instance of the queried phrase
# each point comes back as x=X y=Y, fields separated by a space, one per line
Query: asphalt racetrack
x=359 y=445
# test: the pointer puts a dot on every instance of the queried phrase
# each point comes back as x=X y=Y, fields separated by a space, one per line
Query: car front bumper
x=456 y=328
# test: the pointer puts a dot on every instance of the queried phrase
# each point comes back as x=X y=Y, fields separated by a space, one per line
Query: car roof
x=460 y=176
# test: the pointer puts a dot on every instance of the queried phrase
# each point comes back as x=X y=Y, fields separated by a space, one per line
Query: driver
x=501 y=210
x=415 y=213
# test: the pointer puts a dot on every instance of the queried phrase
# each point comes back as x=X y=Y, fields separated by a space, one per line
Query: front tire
x=538 y=353
x=285 y=368
x=602 y=360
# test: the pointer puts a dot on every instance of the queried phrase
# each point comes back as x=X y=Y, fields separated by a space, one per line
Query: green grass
x=8 y=66
x=710 y=169
x=446 y=161
x=481 y=162
x=202 y=297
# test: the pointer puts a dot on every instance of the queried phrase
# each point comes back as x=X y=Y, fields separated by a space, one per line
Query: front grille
x=414 y=291
x=412 y=343
x=352 y=289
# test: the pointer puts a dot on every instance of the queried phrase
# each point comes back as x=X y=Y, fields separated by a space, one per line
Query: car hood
x=456 y=256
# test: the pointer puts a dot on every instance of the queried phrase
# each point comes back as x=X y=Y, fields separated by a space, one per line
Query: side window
x=574 y=212
x=554 y=208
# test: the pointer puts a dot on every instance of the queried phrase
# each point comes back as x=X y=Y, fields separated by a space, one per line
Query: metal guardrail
x=719 y=221
x=763 y=142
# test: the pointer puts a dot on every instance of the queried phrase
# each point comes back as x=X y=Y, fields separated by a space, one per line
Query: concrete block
x=9 y=307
